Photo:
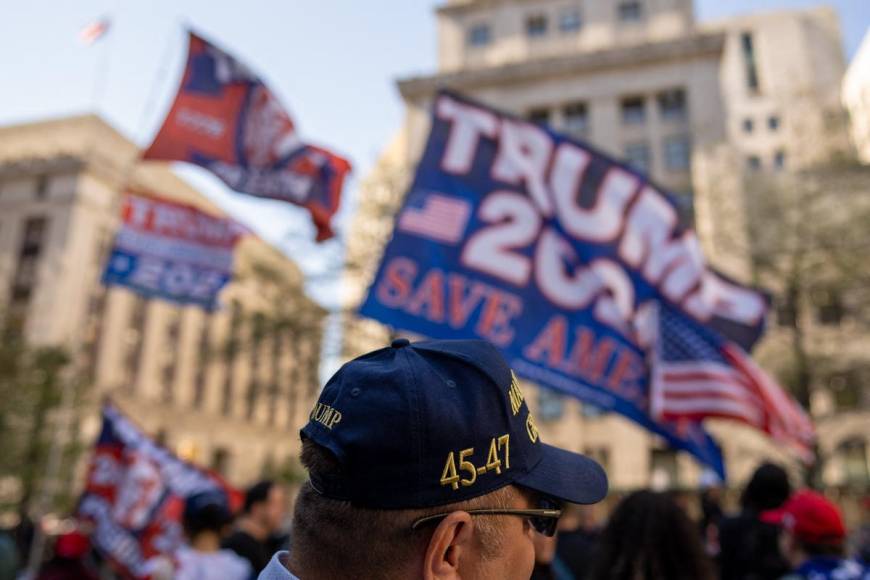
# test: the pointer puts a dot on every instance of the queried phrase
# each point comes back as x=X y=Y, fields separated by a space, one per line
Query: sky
x=332 y=62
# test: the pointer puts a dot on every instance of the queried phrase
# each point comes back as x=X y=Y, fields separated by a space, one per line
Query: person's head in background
x=768 y=489
x=812 y=527
x=580 y=517
x=265 y=509
x=649 y=537
x=206 y=520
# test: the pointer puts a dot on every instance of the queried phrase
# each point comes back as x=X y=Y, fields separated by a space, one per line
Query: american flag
x=94 y=31
x=441 y=218
x=697 y=374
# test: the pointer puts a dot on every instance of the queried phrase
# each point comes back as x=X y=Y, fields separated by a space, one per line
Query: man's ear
x=450 y=542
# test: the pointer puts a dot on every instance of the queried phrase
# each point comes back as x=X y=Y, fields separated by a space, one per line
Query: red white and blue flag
x=226 y=120
x=172 y=251
x=699 y=374
x=558 y=255
x=134 y=497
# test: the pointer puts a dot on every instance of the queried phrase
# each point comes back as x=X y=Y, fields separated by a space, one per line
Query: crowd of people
x=777 y=535
x=374 y=507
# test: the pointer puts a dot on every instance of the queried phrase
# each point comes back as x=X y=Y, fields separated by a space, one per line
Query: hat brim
x=567 y=476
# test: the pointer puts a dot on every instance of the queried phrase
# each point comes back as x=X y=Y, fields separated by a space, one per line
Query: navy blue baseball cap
x=436 y=422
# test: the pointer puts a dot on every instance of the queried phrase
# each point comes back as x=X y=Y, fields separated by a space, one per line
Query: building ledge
x=683 y=49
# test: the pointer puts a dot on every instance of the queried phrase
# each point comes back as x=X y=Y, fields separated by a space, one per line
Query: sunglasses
x=544 y=518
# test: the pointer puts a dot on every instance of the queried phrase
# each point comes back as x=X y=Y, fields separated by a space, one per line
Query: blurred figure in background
x=255 y=537
x=813 y=539
x=68 y=562
x=711 y=517
x=748 y=547
x=568 y=556
x=579 y=532
x=206 y=521
x=650 y=538
x=547 y=565
x=8 y=557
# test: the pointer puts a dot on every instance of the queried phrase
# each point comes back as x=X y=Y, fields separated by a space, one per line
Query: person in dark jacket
x=749 y=548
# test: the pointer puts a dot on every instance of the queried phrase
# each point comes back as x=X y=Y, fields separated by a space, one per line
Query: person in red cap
x=68 y=563
x=814 y=538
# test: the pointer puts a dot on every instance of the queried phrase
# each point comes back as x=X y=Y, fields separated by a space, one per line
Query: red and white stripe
x=94 y=31
x=743 y=392
x=441 y=219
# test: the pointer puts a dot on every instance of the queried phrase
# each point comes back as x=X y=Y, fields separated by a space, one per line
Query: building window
x=173 y=333
x=41 y=190
x=664 y=469
x=231 y=352
x=551 y=405
x=753 y=163
x=94 y=333
x=748 y=125
x=135 y=342
x=779 y=160
x=633 y=111
x=24 y=278
x=786 y=310
x=275 y=389
x=203 y=359
x=846 y=390
x=479 y=35
x=570 y=20
x=630 y=11
x=220 y=460
x=536 y=26
x=747 y=47
x=539 y=116
x=773 y=122
x=678 y=153
x=638 y=156
x=829 y=307
x=672 y=105
x=576 y=119
x=258 y=333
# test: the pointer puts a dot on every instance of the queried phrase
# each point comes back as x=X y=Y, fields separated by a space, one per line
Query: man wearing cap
x=424 y=462
x=813 y=539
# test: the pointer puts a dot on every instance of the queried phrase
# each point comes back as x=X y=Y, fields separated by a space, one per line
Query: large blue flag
x=557 y=254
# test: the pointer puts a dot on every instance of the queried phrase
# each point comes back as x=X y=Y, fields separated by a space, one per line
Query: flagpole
x=101 y=74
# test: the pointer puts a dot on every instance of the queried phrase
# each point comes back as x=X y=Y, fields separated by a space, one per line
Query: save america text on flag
x=134 y=496
x=228 y=121
x=172 y=251
x=554 y=252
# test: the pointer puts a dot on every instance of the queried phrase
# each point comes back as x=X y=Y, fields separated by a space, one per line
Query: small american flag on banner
x=441 y=218
x=697 y=374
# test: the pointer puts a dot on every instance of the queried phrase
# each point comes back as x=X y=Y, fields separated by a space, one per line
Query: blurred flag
x=94 y=31
x=134 y=497
x=172 y=251
x=556 y=253
x=699 y=374
x=226 y=120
